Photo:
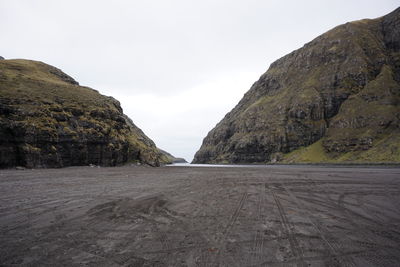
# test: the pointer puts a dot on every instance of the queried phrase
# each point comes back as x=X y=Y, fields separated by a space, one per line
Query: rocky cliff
x=48 y=120
x=336 y=99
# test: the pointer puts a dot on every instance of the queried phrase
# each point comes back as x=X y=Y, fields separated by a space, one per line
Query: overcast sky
x=176 y=66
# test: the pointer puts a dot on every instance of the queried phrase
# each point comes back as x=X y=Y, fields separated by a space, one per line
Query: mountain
x=336 y=99
x=48 y=120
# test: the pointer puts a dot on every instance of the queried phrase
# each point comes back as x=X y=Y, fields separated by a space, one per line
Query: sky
x=176 y=66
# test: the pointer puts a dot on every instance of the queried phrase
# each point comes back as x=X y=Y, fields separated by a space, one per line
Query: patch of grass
x=385 y=149
x=313 y=153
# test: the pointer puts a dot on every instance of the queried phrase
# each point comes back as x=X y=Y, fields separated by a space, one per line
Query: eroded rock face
x=48 y=120
x=341 y=91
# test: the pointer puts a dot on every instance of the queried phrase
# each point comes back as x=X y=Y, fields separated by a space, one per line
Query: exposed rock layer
x=336 y=99
x=48 y=120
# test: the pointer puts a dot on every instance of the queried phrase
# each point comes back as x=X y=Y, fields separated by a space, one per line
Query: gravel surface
x=188 y=216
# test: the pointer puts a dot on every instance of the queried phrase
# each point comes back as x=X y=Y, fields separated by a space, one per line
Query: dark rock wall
x=30 y=146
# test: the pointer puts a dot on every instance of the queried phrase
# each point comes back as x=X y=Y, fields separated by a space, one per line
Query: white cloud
x=178 y=122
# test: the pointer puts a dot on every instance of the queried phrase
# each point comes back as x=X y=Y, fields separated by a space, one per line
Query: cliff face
x=48 y=120
x=336 y=99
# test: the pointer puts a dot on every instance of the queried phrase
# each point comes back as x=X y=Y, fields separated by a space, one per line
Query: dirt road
x=185 y=216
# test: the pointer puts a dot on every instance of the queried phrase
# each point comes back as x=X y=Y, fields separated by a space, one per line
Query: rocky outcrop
x=335 y=99
x=48 y=120
x=172 y=159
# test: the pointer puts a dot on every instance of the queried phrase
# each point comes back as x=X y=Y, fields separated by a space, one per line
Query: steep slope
x=336 y=99
x=48 y=120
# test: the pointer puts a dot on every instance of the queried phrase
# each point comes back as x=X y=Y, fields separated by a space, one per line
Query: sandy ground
x=182 y=216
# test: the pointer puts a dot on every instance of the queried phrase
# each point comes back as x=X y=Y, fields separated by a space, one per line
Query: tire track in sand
x=334 y=248
x=258 y=242
x=221 y=241
x=288 y=229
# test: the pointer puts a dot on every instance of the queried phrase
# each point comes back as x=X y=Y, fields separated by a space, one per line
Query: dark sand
x=182 y=216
